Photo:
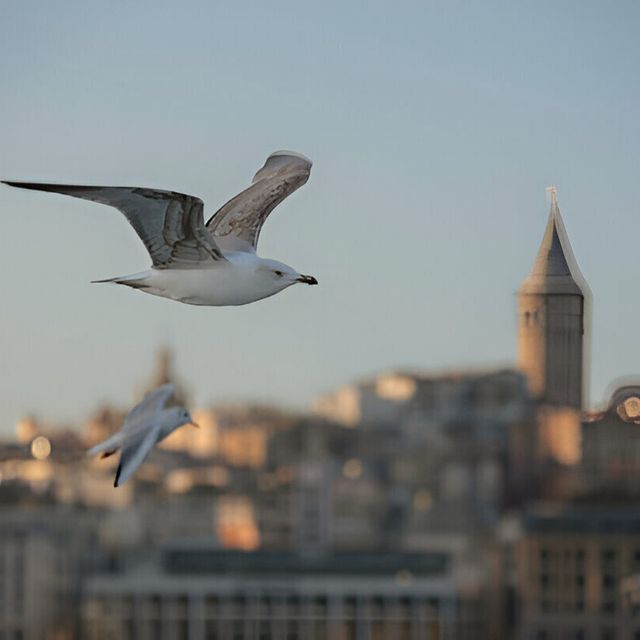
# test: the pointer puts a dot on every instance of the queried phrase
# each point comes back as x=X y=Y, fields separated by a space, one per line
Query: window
x=210 y=630
x=182 y=605
x=129 y=628
x=608 y=556
x=238 y=630
x=155 y=628
x=183 y=630
x=211 y=604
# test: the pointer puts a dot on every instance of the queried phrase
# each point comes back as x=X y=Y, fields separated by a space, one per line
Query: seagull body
x=149 y=422
x=241 y=278
x=214 y=264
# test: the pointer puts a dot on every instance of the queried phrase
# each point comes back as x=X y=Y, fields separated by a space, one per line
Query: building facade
x=572 y=563
x=200 y=594
x=610 y=462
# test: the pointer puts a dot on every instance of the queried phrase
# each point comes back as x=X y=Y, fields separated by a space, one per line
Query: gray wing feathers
x=170 y=224
x=137 y=420
x=133 y=455
x=237 y=224
x=149 y=406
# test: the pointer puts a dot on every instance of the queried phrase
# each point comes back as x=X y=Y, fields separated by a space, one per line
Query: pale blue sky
x=434 y=130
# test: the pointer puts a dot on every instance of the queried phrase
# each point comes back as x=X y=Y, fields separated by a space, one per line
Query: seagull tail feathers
x=137 y=280
x=99 y=448
x=111 y=444
x=113 y=280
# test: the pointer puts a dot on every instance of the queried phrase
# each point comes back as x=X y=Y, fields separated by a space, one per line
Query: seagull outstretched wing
x=133 y=453
x=170 y=224
x=148 y=408
x=236 y=226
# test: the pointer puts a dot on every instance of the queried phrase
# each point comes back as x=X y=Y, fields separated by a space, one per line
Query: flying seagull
x=144 y=426
x=214 y=264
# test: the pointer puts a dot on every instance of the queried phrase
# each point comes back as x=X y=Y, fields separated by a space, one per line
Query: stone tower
x=551 y=315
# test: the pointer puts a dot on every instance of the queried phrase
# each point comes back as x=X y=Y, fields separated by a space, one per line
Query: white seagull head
x=278 y=276
x=175 y=417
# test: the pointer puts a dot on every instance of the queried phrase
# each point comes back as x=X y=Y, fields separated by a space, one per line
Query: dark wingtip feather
x=119 y=470
x=68 y=189
x=37 y=186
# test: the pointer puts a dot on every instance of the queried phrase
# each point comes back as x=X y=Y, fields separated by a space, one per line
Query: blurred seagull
x=213 y=264
x=149 y=422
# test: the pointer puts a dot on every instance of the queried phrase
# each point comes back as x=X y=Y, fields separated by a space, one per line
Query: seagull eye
x=278 y=273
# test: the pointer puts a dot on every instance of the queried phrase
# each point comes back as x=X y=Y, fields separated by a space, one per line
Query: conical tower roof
x=555 y=270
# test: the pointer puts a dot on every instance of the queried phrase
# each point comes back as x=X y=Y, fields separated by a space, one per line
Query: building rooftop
x=189 y=560
x=591 y=518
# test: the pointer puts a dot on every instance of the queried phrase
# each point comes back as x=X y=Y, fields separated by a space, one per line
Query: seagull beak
x=307 y=280
x=194 y=424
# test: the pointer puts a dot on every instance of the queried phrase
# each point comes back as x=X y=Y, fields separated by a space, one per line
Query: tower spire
x=555 y=269
x=551 y=317
x=552 y=190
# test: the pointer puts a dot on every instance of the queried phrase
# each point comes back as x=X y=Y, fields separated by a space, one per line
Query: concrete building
x=610 y=461
x=41 y=560
x=551 y=319
x=197 y=594
x=418 y=404
x=572 y=562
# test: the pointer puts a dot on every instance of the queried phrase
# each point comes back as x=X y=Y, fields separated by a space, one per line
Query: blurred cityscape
x=467 y=504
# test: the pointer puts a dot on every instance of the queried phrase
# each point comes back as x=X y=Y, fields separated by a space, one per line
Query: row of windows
x=607 y=607
x=321 y=603
x=582 y=634
x=549 y=580
x=607 y=556
x=264 y=630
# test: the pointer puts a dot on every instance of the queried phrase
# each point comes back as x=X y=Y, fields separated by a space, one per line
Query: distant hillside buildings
x=462 y=505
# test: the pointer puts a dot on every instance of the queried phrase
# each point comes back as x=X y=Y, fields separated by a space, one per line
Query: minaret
x=163 y=373
x=551 y=314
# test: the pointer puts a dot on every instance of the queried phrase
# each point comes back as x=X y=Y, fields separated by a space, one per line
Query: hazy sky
x=434 y=130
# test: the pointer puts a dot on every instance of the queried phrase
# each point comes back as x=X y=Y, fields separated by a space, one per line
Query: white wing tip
x=293 y=154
